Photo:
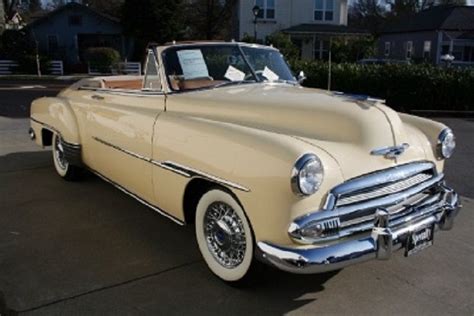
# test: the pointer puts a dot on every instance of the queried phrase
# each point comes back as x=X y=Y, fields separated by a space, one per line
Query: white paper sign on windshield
x=269 y=74
x=193 y=63
x=233 y=74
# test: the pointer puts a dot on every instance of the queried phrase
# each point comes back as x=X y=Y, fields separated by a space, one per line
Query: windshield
x=208 y=66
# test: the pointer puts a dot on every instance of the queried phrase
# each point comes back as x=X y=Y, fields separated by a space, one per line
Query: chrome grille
x=357 y=200
x=384 y=190
x=409 y=193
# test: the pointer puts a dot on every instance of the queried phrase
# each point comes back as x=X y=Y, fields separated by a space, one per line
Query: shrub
x=284 y=44
x=103 y=59
x=15 y=43
x=27 y=64
x=404 y=87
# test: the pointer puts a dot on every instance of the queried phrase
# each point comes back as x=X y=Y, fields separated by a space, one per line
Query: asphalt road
x=86 y=248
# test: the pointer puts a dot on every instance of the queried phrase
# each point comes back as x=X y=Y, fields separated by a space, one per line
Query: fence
x=127 y=68
x=7 y=67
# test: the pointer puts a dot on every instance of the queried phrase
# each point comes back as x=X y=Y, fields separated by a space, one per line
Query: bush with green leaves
x=102 y=59
x=27 y=64
x=404 y=87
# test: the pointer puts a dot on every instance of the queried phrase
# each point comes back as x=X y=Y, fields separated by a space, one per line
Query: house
x=430 y=34
x=67 y=32
x=311 y=24
x=14 y=21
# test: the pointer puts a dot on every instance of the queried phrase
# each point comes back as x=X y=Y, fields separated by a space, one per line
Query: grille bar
x=385 y=190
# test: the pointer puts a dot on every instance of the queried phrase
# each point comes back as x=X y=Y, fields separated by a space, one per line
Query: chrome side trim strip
x=193 y=173
x=47 y=126
x=184 y=171
x=139 y=199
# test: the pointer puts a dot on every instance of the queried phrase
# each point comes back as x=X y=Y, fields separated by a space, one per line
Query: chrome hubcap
x=225 y=234
x=59 y=153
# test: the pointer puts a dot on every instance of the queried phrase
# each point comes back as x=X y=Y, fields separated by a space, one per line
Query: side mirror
x=301 y=77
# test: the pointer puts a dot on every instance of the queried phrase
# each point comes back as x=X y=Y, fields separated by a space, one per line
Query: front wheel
x=61 y=164
x=224 y=236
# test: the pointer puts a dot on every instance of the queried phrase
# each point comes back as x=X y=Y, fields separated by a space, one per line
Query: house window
x=409 y=50
x=427 y=49
x=267 y=9
x=387 y=49
x=75 y=20
x=321 y=49
x=52 y=43
x=323 y=10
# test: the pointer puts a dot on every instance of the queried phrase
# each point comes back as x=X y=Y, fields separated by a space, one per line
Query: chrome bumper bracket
x=382 y=241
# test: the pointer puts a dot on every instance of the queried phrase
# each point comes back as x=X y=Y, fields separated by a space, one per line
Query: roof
x=446 y=18
x=324 y=29
x=73 y=6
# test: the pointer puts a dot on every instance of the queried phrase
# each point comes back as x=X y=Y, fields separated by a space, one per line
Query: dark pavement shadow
x=89 y=247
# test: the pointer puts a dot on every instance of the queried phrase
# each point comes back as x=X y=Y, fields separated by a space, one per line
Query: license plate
x=419 y=240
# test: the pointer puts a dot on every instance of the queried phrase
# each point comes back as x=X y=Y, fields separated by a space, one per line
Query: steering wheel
x=259 y=74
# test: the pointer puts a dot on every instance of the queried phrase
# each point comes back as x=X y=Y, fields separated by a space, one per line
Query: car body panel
x=245 y=138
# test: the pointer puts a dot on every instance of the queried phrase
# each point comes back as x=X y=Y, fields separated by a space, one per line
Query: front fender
x=56 y=115
x=428 y=134
x=258 y=160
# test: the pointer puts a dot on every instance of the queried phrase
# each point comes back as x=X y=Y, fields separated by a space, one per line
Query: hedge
x=102 y=58
x=404 y=87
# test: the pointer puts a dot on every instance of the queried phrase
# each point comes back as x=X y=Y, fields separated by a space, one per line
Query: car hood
x=347 y=129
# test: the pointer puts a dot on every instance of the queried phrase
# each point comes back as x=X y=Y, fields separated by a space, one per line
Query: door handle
x=97 y=97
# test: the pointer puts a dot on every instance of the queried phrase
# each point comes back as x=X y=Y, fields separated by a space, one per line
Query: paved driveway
x=86 y=248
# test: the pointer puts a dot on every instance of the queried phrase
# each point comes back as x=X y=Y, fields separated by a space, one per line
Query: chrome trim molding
x=139 y=199
x=184 y=171
x=299 y=164
x=383 y=239
x=197 y=173
x=361 y=212
x=441 y=138
x=390 y=152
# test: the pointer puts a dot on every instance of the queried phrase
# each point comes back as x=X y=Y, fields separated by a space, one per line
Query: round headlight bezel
x=303 y=163
x=446 y=143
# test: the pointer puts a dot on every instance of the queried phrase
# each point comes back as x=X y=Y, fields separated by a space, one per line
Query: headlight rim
x=441 y=138
x=295 y=173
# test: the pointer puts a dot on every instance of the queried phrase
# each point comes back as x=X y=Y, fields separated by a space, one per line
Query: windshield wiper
x=282 y=81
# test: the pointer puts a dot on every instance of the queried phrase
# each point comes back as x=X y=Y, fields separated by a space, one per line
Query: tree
x=210 y=19
x=34 y=6
x=157 y=21
x=2 y=17
x=452 y=2
x=367 y=14
x=110 y=7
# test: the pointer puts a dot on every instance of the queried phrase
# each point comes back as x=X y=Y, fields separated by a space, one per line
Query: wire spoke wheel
x=59 y=153
x=225 y=234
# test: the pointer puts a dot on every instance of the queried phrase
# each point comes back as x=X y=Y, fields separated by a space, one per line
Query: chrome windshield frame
x=239 y=46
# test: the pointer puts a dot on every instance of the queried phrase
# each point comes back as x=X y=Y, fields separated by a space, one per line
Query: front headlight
x=307 y=175
x=446 y=143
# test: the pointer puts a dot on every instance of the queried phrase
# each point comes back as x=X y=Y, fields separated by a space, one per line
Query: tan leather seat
x=134 y=84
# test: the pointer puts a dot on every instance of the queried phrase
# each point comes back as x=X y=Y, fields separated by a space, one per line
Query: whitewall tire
x=224 y=235
x=62 y=166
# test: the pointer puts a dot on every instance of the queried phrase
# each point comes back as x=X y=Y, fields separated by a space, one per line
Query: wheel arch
x=193 y=192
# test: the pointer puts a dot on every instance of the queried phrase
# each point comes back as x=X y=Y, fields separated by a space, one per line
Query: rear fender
x=55 y=115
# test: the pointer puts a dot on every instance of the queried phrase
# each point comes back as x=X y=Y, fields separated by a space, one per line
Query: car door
x=119 y=127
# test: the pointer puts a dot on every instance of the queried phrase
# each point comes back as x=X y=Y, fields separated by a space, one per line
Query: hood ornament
x=390 y=152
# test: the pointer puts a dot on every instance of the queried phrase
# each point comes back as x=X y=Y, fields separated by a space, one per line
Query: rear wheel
x=225 y=237
x=61 y=164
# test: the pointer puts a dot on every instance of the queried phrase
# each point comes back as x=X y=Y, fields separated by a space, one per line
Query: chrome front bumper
x=379 y=243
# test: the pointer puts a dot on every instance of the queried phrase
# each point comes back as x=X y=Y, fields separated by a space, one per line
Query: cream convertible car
x=223 y=136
